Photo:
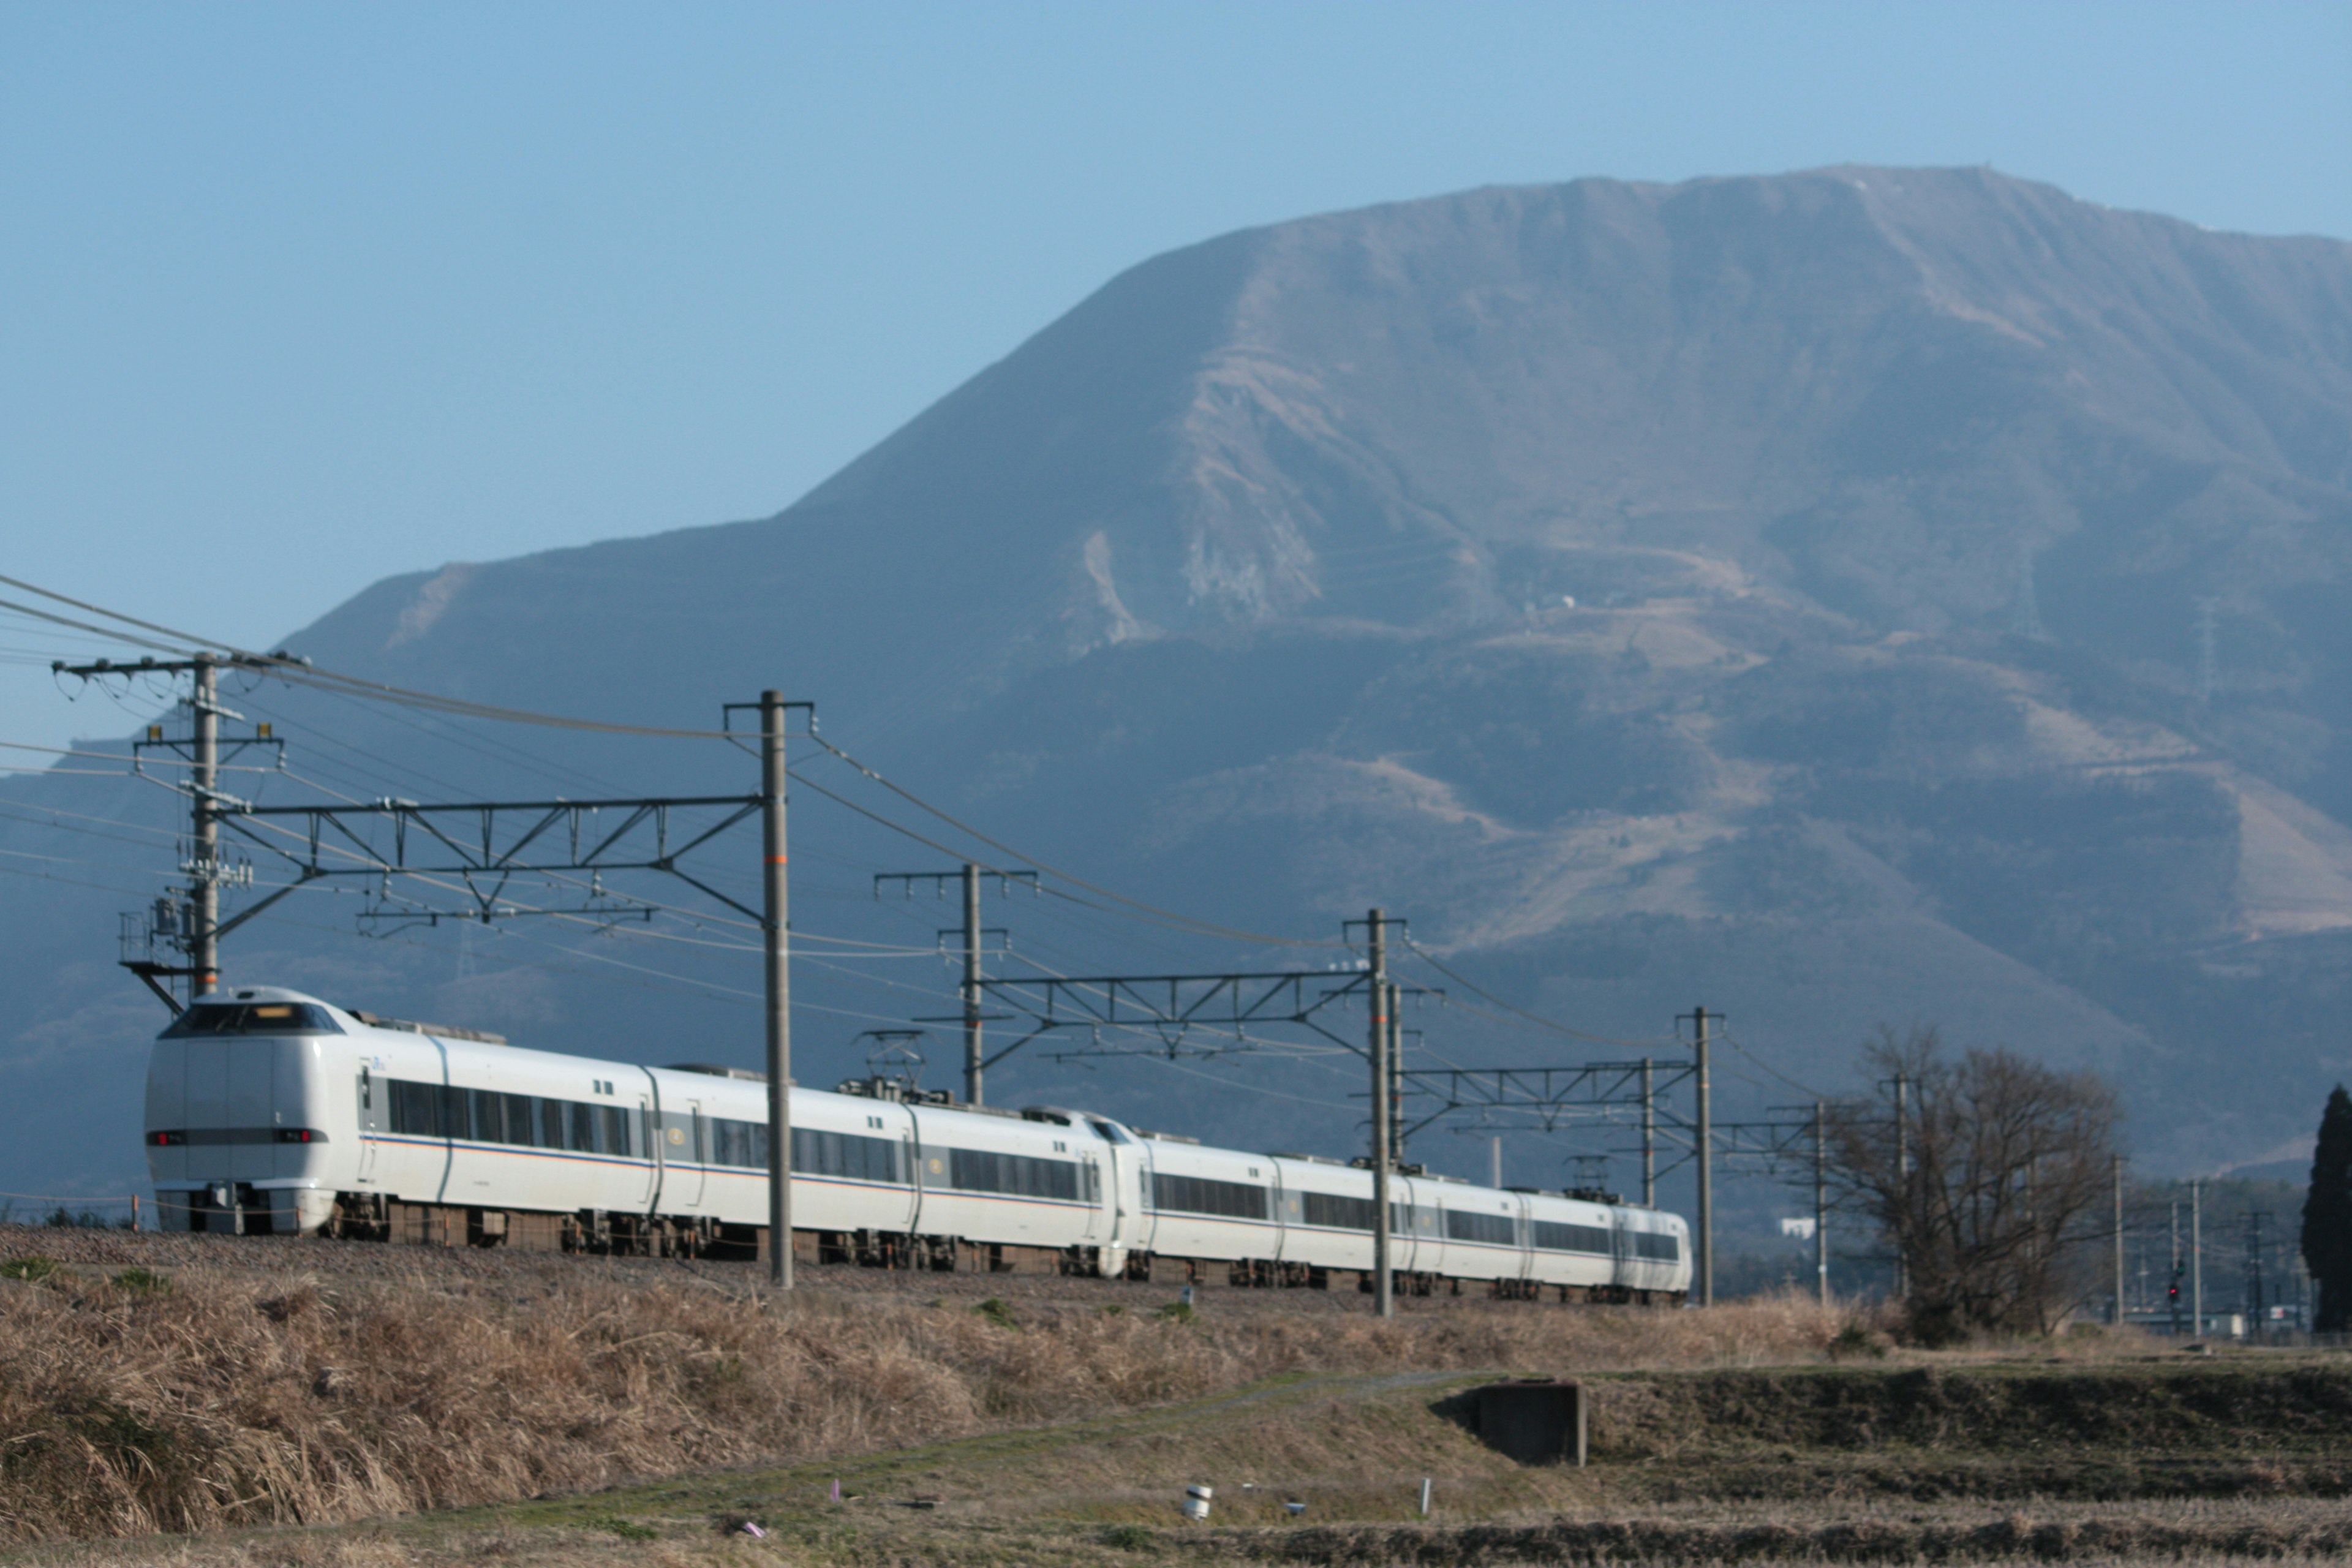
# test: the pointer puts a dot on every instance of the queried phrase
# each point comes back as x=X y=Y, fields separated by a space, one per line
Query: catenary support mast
x=972 y=1018
x=1822 y=1200
x=205 y=851
x=1703 y=1150
x=776 y=921
x=1383 y=1279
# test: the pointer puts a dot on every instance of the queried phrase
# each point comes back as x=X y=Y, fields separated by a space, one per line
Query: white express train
x=273 y=1112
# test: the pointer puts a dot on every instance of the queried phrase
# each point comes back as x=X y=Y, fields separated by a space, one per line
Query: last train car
x=273 y=1112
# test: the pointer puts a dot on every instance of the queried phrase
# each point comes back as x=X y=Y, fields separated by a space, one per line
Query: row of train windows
x=815 y=1152
x=1335 y=1211
x=1199 y=1194
x=1022 y=1176
x=486 y=1116
x=1654 y=1246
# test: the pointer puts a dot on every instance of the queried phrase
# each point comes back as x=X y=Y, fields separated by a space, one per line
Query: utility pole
x=2196 y=1258
x=2119 y=1241
x=1903 y=1185
x=1820 y=1203
x=2256 y=1295
x=203 y=782
x=975 y=937
x=1703 y=1150
x=776 y=921
x=1649 y=1139
x=1384 y=1281
x=200 y=934
x=1396 y=1066
x=970 y=990
x=2172 y=1288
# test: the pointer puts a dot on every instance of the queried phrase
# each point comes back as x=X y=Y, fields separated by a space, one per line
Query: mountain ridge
x=1860 y=594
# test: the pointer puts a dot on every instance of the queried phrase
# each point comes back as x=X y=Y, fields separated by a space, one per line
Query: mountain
x=1853 y=596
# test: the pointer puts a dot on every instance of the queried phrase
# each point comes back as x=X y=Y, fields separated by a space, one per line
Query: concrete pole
x=972 y=983
x=1377 y=990
x=1396 y=1066
x=1705 y=1153
x=2119 y=1241
x=2196 y=1259
x=2172 y=1280
x=1821 y=1204
x=203 y=783
x=777 y=889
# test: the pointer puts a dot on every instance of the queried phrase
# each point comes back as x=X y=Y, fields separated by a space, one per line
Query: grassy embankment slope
x=336 y=1410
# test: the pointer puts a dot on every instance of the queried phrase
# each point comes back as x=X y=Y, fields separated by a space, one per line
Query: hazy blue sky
x=293 y=297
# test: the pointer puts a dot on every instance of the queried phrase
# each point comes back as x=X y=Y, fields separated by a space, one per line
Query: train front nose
x=231 y=1138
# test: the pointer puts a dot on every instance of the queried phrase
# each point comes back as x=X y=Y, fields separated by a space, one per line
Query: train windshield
x=253 y=1018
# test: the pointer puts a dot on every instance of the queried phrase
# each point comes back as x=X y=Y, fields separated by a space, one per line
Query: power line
x=287 y=667
x=1205 y=928
x=1536 y=1019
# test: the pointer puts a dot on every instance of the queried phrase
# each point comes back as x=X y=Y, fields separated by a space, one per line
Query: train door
x=648 y=1123
x=1621 y=1246
x=1274 y=1196
x=448 y=1134
x=371 y=1119
x=1523 y=1227
x=912 y=1153
x=1147 y=1213
x=1090 y=1189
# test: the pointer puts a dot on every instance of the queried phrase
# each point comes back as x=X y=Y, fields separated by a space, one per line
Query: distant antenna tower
x=2208 y=663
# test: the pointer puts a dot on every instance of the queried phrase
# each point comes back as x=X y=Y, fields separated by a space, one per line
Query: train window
x=1201 y=1194
x=1019 y=1175
x=817 y=1153
x=1553 y=1236
x=416 y=1108
x=490 y=1116
x=1339 y=1212
x=1110 y=1132
x=253 y=1018
x=1663 y=1246
x=1495 y=1229
x=738 y=1144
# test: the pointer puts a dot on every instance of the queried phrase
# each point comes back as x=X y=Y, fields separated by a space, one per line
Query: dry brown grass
x=235 y=1399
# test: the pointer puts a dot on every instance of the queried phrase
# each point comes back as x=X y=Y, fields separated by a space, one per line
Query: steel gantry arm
x=482 y=842
x=1550 y=1095
x=1171 y=1004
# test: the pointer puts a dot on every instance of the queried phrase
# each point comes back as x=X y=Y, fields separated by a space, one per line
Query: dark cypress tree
x=2327 y=1218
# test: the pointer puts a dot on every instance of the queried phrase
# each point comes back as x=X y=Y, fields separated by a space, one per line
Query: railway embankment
x=187 y=1384
x=333 y=1404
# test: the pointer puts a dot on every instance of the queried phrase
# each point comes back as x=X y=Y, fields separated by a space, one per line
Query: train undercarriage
x=367 y=1216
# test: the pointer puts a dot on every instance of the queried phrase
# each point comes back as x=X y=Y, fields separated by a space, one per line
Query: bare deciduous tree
x=1988 y=1183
